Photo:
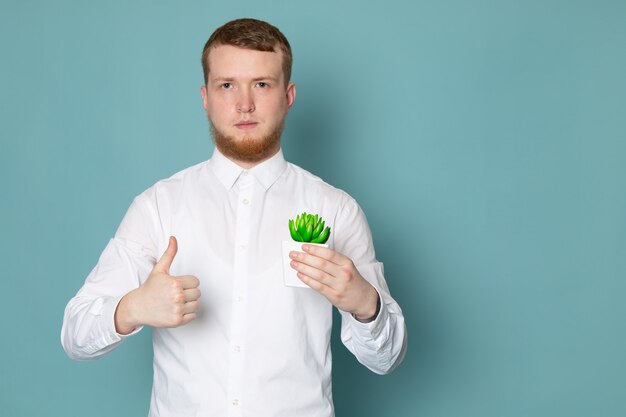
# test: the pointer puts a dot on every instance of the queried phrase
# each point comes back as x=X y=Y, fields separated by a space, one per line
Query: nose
x=245 y=103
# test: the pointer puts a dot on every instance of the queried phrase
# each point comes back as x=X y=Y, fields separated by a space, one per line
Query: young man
x=251 y=346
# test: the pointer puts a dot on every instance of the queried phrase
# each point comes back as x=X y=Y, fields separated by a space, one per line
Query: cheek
x=218 y=109
x=276 y=106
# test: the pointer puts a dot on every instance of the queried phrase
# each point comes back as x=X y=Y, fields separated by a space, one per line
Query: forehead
x=227 y=61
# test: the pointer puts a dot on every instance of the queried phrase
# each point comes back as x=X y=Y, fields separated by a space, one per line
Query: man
x=251 y=346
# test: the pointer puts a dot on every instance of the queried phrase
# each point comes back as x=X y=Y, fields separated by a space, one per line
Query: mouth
x=246 y=124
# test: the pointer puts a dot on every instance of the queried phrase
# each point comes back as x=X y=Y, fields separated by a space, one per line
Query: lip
x=246 y=124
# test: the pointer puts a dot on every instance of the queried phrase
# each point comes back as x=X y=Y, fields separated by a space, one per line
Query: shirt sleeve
x=379 y=345
x=88 y=330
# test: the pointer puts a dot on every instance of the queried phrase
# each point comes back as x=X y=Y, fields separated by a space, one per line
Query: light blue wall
x=485 y=140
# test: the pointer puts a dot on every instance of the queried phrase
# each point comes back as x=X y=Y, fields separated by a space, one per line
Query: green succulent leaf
x=302 y=227
x=294 y=233
x=318 y=229
x=308 y=227
x=308 y=231
x=323 y=237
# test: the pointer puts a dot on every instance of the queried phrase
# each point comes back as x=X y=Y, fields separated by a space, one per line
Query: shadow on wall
x=358 y=391
x=315 y=139
x=311 y=129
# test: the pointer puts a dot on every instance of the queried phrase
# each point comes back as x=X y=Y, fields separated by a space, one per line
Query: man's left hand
x=335 y=277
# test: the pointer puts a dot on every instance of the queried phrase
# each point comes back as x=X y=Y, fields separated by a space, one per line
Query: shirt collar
x=267 y=172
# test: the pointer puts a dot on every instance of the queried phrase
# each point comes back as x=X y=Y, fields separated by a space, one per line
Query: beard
x=248 y=149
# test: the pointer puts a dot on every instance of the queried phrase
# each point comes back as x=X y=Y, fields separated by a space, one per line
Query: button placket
x=240 y=276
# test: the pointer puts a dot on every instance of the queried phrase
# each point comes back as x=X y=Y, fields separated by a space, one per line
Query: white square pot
x=290 y=276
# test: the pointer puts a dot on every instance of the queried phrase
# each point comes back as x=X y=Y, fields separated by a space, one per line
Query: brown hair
x=249 y=34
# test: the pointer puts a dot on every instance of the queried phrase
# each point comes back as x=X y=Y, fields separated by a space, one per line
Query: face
x=246 y=100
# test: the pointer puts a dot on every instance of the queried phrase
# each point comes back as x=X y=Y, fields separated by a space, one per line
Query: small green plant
x=308 y=228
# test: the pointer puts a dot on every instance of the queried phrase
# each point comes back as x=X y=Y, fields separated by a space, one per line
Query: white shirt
x=257 y=347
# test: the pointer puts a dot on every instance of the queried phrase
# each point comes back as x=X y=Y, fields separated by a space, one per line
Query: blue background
x=485 y=141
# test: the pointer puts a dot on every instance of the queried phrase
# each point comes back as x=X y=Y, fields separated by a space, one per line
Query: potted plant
x=305 y=228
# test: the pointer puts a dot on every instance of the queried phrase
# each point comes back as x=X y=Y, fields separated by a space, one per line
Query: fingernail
x=293 y=255
x=306 y=248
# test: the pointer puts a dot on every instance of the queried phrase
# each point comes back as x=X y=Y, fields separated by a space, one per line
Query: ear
x=291 y=94
x=205 y=99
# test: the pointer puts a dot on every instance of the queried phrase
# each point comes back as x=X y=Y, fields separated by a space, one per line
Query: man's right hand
x=162 y=300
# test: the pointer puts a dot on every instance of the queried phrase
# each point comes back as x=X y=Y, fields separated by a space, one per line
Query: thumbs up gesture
x=162 y=300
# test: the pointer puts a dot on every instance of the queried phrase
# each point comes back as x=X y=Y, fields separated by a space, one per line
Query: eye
x=227 y=86
x=262 y=84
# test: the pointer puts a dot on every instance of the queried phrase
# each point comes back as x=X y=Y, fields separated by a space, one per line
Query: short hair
x=249 y=34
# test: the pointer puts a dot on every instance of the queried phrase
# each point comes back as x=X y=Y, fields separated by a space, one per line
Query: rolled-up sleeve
x=379 y=345
x=88 y=330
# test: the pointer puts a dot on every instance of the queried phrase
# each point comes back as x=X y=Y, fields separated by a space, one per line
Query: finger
x=313 y=273
x=316 y=262
x=325 y=253
x=188 y=281
x=315 y=284
x=191 y=294
x=187 y=318
x=168 y=256
x=190 y=307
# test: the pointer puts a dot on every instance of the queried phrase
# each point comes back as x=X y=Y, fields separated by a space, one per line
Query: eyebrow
x=229 y=79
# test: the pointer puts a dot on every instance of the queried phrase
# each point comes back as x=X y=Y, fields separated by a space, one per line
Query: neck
x=249 y=164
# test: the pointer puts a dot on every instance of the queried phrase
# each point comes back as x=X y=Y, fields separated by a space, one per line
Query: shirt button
x=245 y=201
x=237 y=348
x=235 y=402
x=239 y=298
x=242 y=247
x=244 y=173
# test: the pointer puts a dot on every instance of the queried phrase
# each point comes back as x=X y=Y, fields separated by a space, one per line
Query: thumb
x=168 y=257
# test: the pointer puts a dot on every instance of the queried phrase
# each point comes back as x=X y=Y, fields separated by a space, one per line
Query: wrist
x=371 y=314
x=123 y=318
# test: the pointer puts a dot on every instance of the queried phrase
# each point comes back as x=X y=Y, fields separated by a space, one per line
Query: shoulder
x=312 y=184
x=175 y=185
x=316 y=191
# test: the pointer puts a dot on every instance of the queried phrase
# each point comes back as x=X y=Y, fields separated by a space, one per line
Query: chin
x=248 y=147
